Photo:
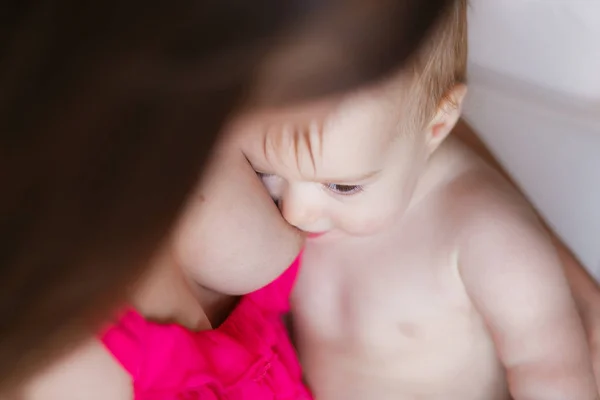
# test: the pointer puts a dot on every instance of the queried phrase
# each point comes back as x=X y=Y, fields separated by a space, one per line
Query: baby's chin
x=372 y=227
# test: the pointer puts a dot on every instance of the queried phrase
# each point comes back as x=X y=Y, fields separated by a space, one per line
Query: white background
x=534 y=76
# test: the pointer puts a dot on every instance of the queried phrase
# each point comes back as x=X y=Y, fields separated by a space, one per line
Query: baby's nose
x=299 y=210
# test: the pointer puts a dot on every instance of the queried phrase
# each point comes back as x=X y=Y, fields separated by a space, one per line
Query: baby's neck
x=448 y=162
x=167 y=296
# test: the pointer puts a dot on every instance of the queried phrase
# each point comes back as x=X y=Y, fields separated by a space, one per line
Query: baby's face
x=339 y=166
x=344 y=168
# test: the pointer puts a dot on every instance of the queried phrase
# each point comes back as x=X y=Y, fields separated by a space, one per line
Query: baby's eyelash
x=344 y=190
x=263 y=176
x=266 y=177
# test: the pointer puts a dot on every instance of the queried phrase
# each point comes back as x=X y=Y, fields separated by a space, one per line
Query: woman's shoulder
x=89 y=372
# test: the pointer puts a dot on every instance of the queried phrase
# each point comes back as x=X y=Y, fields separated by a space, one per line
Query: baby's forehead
x=349 y=131
x=346 y=144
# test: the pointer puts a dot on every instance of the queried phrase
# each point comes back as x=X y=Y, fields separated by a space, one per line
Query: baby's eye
x=343 y=189
x=263 y=175
x=272 y=183
x=267 y=179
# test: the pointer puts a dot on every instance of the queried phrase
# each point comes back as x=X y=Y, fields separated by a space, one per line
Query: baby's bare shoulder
x=484 y=210
x=471 y=191
x=88 y=373
x=481 y=198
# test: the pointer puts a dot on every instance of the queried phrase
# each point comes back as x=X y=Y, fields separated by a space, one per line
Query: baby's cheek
x=368 y=222
x=380 y=213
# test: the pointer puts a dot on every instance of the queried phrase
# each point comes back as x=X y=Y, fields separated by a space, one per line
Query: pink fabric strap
x=124 y=340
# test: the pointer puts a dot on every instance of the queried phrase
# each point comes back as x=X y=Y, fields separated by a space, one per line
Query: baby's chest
x=397 y=295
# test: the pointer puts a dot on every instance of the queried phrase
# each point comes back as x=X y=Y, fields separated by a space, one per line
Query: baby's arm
x=585 y=290
x=514 y=278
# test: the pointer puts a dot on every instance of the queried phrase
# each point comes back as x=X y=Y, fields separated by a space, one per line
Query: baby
x=425 y=275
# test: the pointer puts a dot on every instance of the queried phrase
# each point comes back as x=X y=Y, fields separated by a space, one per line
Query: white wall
x=535 y=99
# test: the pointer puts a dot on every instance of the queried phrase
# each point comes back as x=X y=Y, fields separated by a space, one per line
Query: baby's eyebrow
x=349 y=180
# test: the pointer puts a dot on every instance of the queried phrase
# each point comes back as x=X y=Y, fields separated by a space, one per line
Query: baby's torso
x=388 y=317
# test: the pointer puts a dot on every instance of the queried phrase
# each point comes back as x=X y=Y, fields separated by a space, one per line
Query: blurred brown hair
x=108 y=110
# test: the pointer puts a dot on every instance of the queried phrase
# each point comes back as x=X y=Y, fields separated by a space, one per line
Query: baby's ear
x=447 y=115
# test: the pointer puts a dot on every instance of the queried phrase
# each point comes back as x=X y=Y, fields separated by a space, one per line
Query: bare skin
x=446 y=308
x=585 y=289
x=428 y=276
x=192 y=281
x=92 y=373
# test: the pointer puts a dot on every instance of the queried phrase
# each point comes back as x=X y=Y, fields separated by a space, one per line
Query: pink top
x=248 y=357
